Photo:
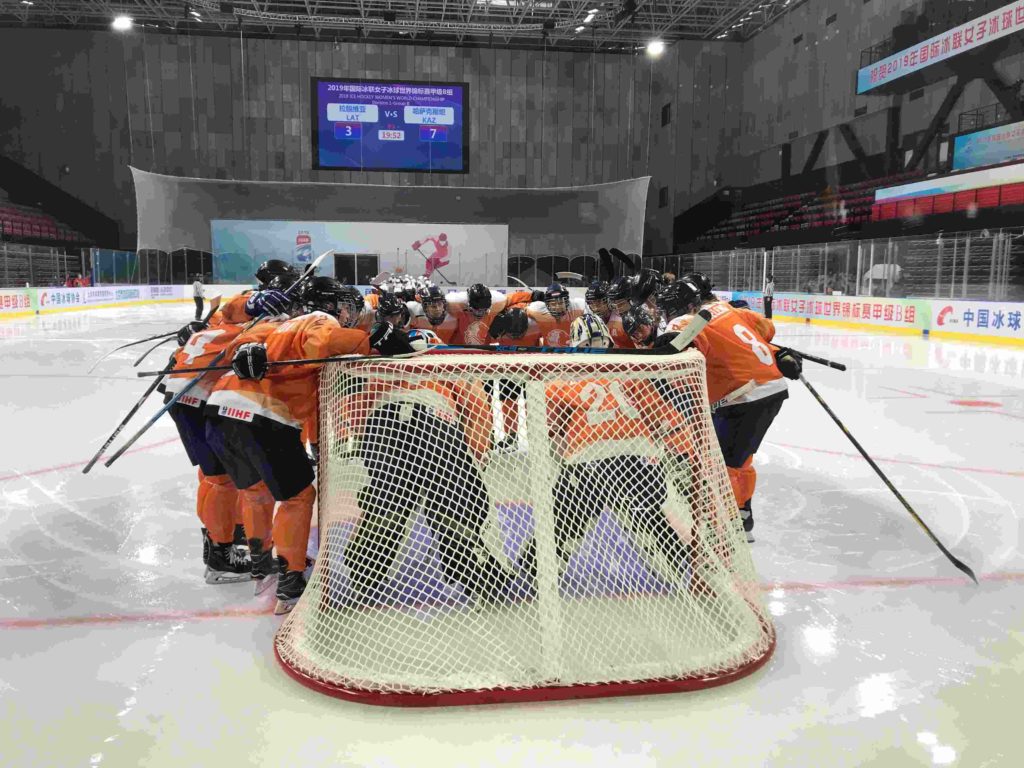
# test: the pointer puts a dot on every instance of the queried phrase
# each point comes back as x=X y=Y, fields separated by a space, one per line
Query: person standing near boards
x=197 y=295
x=769 y=294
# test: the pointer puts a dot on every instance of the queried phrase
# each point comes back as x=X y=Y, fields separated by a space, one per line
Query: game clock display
x=381 y=125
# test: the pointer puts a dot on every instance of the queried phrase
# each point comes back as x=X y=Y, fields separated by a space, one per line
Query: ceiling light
x=579 y=29
x=122 y=23
x=196 y=14
x=27 y=2
x=655 y=48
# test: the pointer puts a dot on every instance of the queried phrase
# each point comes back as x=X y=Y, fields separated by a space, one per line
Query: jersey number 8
x=759 y=348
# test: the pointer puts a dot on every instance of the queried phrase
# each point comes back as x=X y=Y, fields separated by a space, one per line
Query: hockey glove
x=389 y=341
x=187 y=330
x=250 y=361
x=790 y=365
x=537 y=295
x=267 y=302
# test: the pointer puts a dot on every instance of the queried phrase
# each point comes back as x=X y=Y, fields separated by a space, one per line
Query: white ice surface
x=115 y=653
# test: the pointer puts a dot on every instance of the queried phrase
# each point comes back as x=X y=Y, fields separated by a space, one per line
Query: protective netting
x=498 y=527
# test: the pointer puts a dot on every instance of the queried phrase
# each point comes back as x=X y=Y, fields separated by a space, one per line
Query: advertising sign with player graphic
x=449 y=254
x=378 y=125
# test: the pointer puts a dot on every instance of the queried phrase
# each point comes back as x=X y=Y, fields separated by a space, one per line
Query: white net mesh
x=499 y=527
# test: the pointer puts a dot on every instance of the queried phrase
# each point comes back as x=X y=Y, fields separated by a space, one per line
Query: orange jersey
x=233 y=310
x=471 y=329
x=446 y=329
x=619 y=336
x=529 y=339
x=555 y=331
x=466 y=402
x=287 y=394
x=736 y=348
x=604 y=418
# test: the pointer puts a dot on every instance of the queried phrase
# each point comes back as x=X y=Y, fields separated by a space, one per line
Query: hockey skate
x=207 y=543
x=290 y=586
x=264 y=568
x=227 y=565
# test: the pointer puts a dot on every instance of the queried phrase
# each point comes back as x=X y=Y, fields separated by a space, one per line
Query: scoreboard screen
x=380 y=125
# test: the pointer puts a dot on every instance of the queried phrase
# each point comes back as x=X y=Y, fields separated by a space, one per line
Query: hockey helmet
x=275 y=273
x=435 y=305
x=512 y=323
x=479 y=299
x=678 y=298
x=323 y=294
x=703 y=284
x=421 y=338
x=590 y=331
x=640 y=326
x=620 y=293
x=556 y=298
x=350 y=306
x=597 y=299
x=645 y=285
x=392 y=304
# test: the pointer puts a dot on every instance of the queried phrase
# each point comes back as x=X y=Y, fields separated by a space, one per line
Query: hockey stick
x=627 y=260
x=678 y=344
x=164 y=336
x=734 y=395
x=569 y=276
x=301 y=361
x=906 y=505
x=214 y=305
x=813 y=359
x=607 y=265
x=145 y=354
x=520 y=282
x=292 y=289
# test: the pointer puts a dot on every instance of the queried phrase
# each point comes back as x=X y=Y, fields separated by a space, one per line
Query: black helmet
x=677 y=298
x=621 y=290
x=435 y=305
x=646 y=285
x=597 y=299
x=275 y=273
x=636 y=320
x=598 y=291
x=353 y=299
x=556 y=296
x=703 y=283
x=512 y=322
x=323 y=294
x=479 y=299
x=390 y=304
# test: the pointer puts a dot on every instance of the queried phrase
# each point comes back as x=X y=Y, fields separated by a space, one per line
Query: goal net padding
x=523 y=527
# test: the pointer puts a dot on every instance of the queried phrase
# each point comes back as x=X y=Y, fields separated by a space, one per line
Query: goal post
x=596 y=551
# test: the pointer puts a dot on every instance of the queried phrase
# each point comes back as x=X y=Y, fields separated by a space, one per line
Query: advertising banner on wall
x=14 y=301
x=992 y=146
x=967 y=37
x=450 y=254
x=978 y=318
x=910 y=314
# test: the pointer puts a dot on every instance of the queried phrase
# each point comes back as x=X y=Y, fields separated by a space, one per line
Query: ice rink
x=116 y=653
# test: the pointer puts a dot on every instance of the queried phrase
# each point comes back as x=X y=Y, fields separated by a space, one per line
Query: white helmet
x=590 y=331
x=421 y=338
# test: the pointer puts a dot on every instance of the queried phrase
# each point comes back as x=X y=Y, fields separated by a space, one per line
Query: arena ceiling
x=616 y=25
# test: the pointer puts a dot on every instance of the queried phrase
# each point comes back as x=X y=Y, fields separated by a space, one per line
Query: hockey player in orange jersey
x=735 y=344
x=554 y=315
x=423 y=443
x=435 y=315
x=256 y=413
x=218 y=502
x=475 y=310
x=512 y=326
x=606 y=432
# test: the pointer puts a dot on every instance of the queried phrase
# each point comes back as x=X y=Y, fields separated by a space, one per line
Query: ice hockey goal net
x=523 y=527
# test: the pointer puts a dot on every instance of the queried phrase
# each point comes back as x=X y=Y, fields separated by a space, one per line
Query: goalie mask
x=350 y=307
x=276 y=273
x=435 y=305
x=597 y=300
x=421 y=339
x=590 y=331
x=479 y=300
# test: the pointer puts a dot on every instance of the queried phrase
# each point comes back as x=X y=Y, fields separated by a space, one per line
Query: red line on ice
x=268 y=608
x=76 y=464
x=982 y=470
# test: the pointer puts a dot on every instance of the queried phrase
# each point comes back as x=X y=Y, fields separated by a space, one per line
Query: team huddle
x=252 y=431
